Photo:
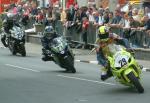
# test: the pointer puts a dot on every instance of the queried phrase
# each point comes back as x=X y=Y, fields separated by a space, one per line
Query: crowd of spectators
x=79 y=18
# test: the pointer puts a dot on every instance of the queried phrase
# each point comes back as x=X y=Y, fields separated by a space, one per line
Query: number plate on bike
x=121 y=60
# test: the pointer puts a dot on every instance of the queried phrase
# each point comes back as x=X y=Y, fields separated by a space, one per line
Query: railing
x=139 y=39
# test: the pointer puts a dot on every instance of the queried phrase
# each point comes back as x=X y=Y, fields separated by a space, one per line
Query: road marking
x=21 y=68
x=82 y=100
x=86 y=61
x=82 y=79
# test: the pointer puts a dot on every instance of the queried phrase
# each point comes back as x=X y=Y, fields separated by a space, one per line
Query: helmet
x=49 y=32
x=10 y=16
x=103 y=33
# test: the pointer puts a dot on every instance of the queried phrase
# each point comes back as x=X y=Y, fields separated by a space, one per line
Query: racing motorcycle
x=16 y=41
x=124 y=66
x=62 y=54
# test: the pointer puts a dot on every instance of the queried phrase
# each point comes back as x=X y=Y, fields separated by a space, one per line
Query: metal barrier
x=139 y=39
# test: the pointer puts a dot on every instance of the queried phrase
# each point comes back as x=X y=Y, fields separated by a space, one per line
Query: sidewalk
x=140 y=53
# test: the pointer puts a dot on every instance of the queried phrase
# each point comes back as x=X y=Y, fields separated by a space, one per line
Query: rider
x=8 y=24
x=48 y=35
x=103 y=39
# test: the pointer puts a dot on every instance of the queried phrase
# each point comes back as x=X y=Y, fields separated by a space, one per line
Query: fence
x=138 y=38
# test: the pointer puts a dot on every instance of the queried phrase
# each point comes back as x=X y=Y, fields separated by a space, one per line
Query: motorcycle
x=16 y=41
x=124 y=66
x=62 y=54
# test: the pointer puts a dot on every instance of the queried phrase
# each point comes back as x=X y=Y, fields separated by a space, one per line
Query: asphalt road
x=30 y=80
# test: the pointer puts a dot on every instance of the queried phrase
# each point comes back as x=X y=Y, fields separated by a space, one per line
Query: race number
x=121 y=60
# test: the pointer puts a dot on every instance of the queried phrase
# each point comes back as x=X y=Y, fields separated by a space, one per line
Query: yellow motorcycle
x=124 y=66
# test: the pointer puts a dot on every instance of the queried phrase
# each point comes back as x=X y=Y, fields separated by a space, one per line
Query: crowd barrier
x=138 y=38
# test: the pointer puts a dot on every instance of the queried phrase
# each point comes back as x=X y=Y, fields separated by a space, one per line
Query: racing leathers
x=7 y=26
x=101 y=54
x=46 y=43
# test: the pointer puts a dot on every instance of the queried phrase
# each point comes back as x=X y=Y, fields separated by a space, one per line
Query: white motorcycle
x=16 y=41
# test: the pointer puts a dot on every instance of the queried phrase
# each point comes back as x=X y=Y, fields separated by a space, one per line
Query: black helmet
x=49 y=32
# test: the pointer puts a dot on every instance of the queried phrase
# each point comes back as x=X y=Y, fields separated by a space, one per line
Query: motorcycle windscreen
x=121 y=60
x=17 y=33
x=59 y=45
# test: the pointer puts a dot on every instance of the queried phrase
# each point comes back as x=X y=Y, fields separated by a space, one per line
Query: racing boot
x=106 y=73
x=46 y=58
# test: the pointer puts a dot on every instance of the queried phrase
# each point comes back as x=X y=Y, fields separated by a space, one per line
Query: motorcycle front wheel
x=135 y=81
x=69 y=63
x=11 y=47
x=23 y=50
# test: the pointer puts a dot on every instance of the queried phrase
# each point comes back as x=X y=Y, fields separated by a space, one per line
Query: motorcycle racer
x=104 y=38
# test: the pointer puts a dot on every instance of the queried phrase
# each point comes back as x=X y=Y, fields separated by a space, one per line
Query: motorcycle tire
x=135 y=82
x=12 y=49
x=69 y=61
x=23 y=51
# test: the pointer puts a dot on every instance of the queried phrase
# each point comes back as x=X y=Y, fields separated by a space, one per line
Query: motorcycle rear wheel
x=135 y=82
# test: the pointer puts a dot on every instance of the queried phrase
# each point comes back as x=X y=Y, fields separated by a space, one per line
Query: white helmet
x=10 y=16
x=49 y=32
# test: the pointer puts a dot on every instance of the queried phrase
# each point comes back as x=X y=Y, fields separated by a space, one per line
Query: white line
x=21 y=68
x=94 y=62
x=82 y=79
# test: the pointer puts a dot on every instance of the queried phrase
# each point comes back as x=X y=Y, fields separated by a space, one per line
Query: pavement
x=140 y=53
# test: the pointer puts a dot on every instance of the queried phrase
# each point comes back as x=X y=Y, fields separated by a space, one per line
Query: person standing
x=85 y=26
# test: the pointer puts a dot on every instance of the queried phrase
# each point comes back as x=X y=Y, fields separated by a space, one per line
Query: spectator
x=78 y=21
x=90 y=15
x=126 y=26
x=106 y=17
x=101 y=19
x=135 y=14
x=115 y=25
x=85 y=25
x=96 y=18
x=116 y=20
x=129 y=9
x=62 y=16
x=111 y=16
x=39 y=17
x=146 y=21
x=147 y=11
x=133 y=30
x=141 y=14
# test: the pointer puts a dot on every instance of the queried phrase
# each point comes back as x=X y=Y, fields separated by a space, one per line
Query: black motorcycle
x=62 y=54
